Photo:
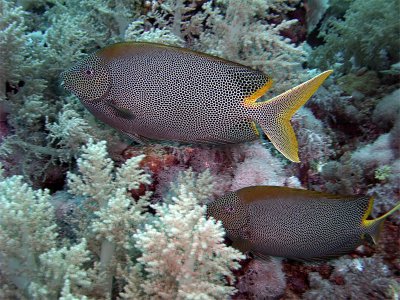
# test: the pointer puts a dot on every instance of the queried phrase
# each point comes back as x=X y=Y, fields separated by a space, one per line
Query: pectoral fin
x=122 y=112
x=242 y=244
x=242 y=241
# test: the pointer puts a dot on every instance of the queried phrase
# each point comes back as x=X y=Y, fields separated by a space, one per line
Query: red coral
x=165 y=162
x=390 y=245
x=297 y=275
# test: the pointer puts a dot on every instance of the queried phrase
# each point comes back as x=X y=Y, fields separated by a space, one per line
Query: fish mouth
x=64 y=81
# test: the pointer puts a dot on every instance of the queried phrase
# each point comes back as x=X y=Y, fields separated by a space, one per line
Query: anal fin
x=137 y=138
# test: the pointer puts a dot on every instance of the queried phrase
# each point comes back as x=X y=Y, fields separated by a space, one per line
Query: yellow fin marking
x=255 y=129
x=369 y=223
x=250 y=101
x=274 y=115
x=364 y=221
x=374 y=227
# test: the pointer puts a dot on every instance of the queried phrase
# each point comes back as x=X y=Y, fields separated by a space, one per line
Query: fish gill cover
x=87 y=214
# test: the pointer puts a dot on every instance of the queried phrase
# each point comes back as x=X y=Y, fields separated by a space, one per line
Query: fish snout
x=63 y=80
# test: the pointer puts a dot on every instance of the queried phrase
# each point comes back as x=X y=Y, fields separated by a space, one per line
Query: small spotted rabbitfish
x=156 y=92
x=297 y=224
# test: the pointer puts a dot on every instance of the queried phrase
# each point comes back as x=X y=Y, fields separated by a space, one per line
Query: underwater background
x=85 y=213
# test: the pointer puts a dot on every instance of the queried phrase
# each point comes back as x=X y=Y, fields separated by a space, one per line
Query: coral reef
x=254 y=171
x=261 y=280
x=84 y=212
x=360 y=39
x=111 y=216
x=114 y=231
x=31 y=258
x=183 y=254
x=367 y=278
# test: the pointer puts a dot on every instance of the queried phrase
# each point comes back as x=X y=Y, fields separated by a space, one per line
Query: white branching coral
x=135 y=32
x=99 y=180
x=183 y=254
x=177 y=253
x=12 y=40
x=96 y=178
x=236 y=31
x=30 y=256
x=201 y=185
x=67 y=266
x=70 y=129
x=26 y=222
x=118 y=220
x=116 y=214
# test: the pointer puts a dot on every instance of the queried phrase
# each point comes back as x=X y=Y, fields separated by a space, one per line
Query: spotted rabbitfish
x=156 y=92
x=294 y=223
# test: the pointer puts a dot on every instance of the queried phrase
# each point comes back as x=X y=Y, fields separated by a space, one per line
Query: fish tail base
x=275 y=114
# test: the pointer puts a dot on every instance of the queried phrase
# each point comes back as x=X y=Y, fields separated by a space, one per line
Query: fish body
x=295 y=223
x=158 y=92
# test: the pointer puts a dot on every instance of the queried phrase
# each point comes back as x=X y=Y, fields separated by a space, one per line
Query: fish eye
x=88 y=72
x=229 y=209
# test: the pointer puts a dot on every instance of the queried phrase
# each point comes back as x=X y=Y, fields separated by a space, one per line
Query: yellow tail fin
x=274 y=115
x=375 y=226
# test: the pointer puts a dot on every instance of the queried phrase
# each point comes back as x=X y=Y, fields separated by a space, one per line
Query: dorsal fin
x=124 y=49
x=374 y=227
x=260 y=193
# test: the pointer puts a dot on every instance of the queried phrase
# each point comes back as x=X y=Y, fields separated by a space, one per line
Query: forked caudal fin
x=375 y=226
x=274 y=115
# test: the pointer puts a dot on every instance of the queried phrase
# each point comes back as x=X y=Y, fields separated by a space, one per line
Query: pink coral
x=258 y=167
x=262 y=280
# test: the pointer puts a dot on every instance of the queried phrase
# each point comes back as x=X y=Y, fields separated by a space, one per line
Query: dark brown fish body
x=294 y=223
x=191 y=109
x=158 y=92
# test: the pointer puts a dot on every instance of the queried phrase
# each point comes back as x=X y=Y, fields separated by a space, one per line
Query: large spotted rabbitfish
x=158 y=92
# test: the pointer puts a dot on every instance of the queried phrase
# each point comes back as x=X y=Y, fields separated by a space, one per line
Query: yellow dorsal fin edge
x=250 y=101
x=367 y=213
x=296 y=97
x=369 y=223
x=274 y=115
